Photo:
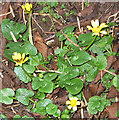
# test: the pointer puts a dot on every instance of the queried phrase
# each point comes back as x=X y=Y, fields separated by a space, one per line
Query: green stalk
x=32 y=101
x=90 y=43
x=25 y=71
x=30 y=34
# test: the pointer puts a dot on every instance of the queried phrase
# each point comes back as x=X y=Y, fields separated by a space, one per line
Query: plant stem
x=90 y=43
x=30 y=34
x=32 y=101
x=25 y=72
x=39 y=63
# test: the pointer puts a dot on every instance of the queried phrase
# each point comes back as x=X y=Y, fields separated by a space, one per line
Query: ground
x=42 y=34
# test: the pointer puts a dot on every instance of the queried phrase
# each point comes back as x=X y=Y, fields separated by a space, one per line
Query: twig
x=24 y=18
x=52 y=71
x=82 y=104
x=79 y=23
x=110 y=72
x=68 y=60
x=70 y=40
x=15 y=40
x=5 y=14
x=12 y=11
x=38 y=25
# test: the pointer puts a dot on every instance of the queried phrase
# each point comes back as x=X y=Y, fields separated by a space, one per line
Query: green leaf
x=101 y=62
x=23 y=95
x=6 y=95
x=3 y=117
x=41 y=106
x=69 y=73
x=51 y=109
x=68 y=29
x=53 y=3
x=12 y=47
x=28 y=48
x=57 y=114
x=117 y=113
x=75 y=86
x=50 y=76
x=16 y=117
x=36 y=83
x=115 y=82
x=39 y=95
x=46 y=87
x=85 y=39
x=15 y=28
x=22 y=74
x=29 y=68
x=80 y=57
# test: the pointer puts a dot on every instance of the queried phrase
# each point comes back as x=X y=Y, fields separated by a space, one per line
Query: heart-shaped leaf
x=41 y=106
x=15 y=28
x=23 y=95
x=80 y=57
x=51 y=108
x=6 y=96
x=74 y=86
x=22 y=75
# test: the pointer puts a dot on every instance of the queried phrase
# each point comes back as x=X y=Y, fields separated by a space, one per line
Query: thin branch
x=15 y=40
x=52 y=71
x=110 y=72
x=70 y=40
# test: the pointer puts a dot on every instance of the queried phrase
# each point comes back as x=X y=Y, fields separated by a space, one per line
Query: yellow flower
x=73 y=102
x=96 y=29
x=27 y=8
x=19 y=59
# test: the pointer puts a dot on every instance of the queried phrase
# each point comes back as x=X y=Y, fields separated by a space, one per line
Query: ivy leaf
x=57 y=114
x=23 y=95
x=101 y=62
x=75 y=86
x=41 y=106
x=22 y=74
x=51 y=109
x=28 y=48
x=36 y=83
x=15 y=28
x=6 y=95
x=50 y=76
x=80 y=57
x=68 y=29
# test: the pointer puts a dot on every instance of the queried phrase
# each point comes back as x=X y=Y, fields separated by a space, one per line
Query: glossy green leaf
x=23 y=95
x=57 y=114
x=40 y=95
x=28 y=48
x=101 y=62
x=36 y=83
x=51 y=109
x=3 y=117
x=11 y=48
x=6 y=95
x=116 y=82
x=69 y=73
x=75 y=86
x=50 y=76
x=22 y=74
x=68 y=29
x=41 y=106
x=80 y=58
x=15 y=28
x=29 y=68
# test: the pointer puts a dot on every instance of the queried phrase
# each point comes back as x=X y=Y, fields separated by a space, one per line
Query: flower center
x=73 y=102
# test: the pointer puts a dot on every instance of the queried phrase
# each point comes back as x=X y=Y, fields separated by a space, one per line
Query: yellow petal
x=89 y=27
x=23 y=55
x=103 y=25
x=23 y=7
x=30 y=5
x=25 y=59
x=18 y=56
x=70 y=98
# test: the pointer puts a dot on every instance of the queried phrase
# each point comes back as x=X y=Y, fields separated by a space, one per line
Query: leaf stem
x=30 y=34
x=39 y=63
x=90 y=43
x=32 y=101
x=25 y=71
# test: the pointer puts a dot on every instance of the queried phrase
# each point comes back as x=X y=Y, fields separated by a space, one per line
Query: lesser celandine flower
x=72 y=103
x=96 y=29
x=19 y=59
x=27 y=8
